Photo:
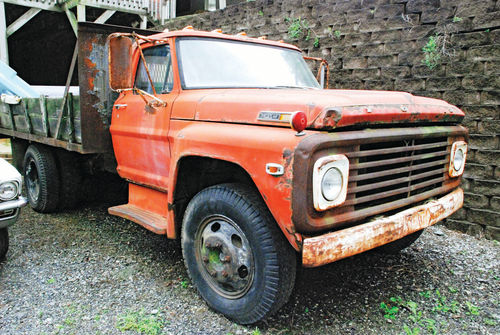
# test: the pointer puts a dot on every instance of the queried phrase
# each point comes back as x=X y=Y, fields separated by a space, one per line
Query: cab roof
x=190 y=32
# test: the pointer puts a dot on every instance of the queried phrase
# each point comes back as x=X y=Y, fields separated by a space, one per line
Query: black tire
x=71 y=179
x=41 y=178
x=246 y=294
x=398 y=245
x=4 y=243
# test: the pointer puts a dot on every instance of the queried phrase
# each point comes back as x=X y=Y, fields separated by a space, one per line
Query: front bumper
x=331 y=247
x=9 y=205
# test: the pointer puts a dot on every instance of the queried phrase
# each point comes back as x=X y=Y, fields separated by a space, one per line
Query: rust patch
x=344 y=243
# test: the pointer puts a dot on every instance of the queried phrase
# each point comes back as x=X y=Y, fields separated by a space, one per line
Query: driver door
x=139 y=133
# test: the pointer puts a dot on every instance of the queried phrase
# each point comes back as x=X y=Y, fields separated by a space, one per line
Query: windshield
x=215 y=63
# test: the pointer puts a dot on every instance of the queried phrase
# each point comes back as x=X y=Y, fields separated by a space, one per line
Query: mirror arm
x=145 y=64
x=145 y=94
x=323 y=63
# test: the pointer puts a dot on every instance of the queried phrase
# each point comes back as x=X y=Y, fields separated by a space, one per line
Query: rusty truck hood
x=325 y=109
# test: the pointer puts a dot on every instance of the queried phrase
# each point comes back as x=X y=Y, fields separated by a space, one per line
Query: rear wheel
x=42 y=178
x=235 y=254
x=71 y=179
x=4 y=242
x=398 y=245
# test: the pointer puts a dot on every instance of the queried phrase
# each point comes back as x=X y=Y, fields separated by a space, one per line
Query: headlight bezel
x=15 y=185
x=321 y=167
x=456 y=147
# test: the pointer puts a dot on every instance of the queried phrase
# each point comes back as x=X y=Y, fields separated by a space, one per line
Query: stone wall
x=377 y=44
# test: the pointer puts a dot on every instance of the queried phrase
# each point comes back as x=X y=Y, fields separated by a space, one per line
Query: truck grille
x=389 y=171
x=384 y=176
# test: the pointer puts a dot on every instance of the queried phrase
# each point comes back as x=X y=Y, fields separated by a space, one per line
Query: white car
x=10 y=202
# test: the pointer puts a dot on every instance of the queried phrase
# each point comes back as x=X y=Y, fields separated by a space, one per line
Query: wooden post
x=80 y=13
x=4 y=50
x=45 y=116
x=27 y=117
x=71 y=124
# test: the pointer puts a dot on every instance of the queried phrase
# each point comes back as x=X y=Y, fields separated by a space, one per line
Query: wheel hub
x=32 y=181
x=226 y=257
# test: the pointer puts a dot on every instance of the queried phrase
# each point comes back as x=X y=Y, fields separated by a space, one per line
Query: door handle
x=118 y=106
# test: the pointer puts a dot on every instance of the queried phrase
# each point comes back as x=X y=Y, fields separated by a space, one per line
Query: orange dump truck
x=230 y=144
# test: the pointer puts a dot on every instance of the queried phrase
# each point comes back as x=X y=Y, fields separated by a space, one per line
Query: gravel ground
x=85 y=272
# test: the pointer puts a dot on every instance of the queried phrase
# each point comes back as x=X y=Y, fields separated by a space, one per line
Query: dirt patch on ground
x=85 y=272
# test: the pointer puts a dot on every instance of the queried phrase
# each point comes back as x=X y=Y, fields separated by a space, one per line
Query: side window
x=159 y=64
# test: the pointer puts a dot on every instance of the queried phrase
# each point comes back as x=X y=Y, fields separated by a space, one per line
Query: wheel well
x=198 y=173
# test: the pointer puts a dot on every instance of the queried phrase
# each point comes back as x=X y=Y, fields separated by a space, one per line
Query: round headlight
x=458 y=160
x=331 y=184
x=8 y=190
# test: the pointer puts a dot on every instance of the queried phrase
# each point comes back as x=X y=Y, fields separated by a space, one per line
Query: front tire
x=235 y=254
x=4 y=242
x=396 y=246
x=42 y=178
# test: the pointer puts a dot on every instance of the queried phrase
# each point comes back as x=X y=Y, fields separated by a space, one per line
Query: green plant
x=184 y=284
x=425 y=294
x=457 y=19
x=490 y=322
x=256 y=332
x=390 y=312
x=51 y=281
x=471 y=309
x=316 y=42
x=442 y=304
x=411 y=331
x=430 y=324
x=139 y=322
x=261 y=13
x=299 y=29
x=431 y=52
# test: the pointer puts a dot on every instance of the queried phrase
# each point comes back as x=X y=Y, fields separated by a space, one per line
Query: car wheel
x=235 y=254
x=4 y=242
x=398 y=245
x=41 y=178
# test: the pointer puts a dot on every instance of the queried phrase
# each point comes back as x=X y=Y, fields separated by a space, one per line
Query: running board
x=149 y=220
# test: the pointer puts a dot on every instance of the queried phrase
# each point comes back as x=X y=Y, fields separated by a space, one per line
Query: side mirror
x=322 y=73
x=120 y=62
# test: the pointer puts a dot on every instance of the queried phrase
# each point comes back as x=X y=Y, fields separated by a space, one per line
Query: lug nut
x=208 y=245
x=218 y=245
x=225 y=274
x=227 y=259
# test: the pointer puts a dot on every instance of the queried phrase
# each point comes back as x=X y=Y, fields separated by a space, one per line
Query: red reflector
x=298 y=121
x=273 y=169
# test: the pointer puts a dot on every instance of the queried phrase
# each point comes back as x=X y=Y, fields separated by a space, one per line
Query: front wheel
x=4 y=242
x=398 y=245
x=235 y=254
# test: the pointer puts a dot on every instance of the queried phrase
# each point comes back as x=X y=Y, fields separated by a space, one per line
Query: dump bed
x=75 y=122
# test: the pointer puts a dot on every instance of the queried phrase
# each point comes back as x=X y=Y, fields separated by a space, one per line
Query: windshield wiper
x=289 y=86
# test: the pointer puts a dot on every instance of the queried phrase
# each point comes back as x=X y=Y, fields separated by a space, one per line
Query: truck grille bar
x=392 y=174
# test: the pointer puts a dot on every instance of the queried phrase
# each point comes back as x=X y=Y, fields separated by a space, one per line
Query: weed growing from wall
x=431 y=52
x=299 y=28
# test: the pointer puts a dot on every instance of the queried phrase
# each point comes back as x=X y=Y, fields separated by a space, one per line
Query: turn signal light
x=298 y=121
